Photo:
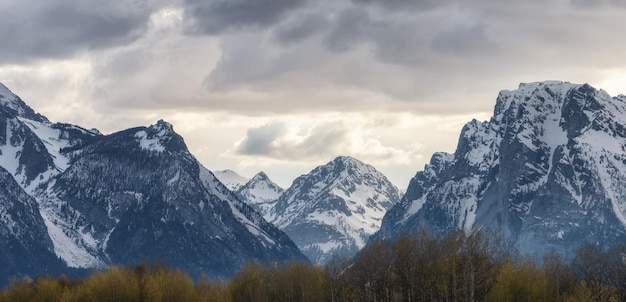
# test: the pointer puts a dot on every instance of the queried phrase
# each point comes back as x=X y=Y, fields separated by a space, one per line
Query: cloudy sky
x=285 y=85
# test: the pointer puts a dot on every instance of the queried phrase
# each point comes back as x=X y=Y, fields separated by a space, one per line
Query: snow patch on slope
x=152 y=144
x=364 y=203
x=334 y=208
x=67 y=248
x=231 y=179
x=415 y=206
x=52 y=141
x=263 y=191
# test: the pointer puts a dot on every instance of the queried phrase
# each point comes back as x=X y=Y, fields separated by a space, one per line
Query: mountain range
x=130 y=197
x=546 y=172
x=332 y=210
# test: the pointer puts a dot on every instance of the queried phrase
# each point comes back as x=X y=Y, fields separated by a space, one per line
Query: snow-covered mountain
x=140 y=188
x=135 y=195
x=261 y=193
x=231 y=179
x=547 y=171
x=335 y=208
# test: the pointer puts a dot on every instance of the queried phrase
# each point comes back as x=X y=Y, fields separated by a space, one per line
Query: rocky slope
x=547 y=172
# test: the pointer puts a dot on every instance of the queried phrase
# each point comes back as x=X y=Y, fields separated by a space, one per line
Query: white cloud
x=314 y=141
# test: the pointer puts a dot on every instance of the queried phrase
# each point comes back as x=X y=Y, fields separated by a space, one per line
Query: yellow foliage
x=458 y=267
x=521 y=281
x=170 y=285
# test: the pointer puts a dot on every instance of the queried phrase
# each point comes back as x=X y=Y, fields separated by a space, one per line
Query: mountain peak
x=159 y=138
x=162 y=125
x=161 y=129
x=334 y=208
x=14 y=106
x=231 y=179
x=260 y=176
x=261 y=193
x=261 y=179
x=347 y=161
x=535 y=92
x=345 y=158
x=533 y=85
x=550 y=84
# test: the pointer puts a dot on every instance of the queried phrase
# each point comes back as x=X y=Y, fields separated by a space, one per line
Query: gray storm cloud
x=461 y=39
x=289 y=56
x=599 y=3
x=404 y=4
x=351 y=27
x=436 y=44
x=218 y=16
x=295 y=31
x=33 y=29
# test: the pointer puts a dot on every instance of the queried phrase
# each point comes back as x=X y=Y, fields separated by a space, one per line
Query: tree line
x=418 y=267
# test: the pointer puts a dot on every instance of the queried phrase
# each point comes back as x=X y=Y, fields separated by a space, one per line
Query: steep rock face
x=139 y=195
x=261 y=193
x=335 y=208
x=32 y=148
x=25 y=248
x=547 y=171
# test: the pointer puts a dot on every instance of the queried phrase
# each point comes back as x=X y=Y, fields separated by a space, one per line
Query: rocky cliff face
x=547 y=171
